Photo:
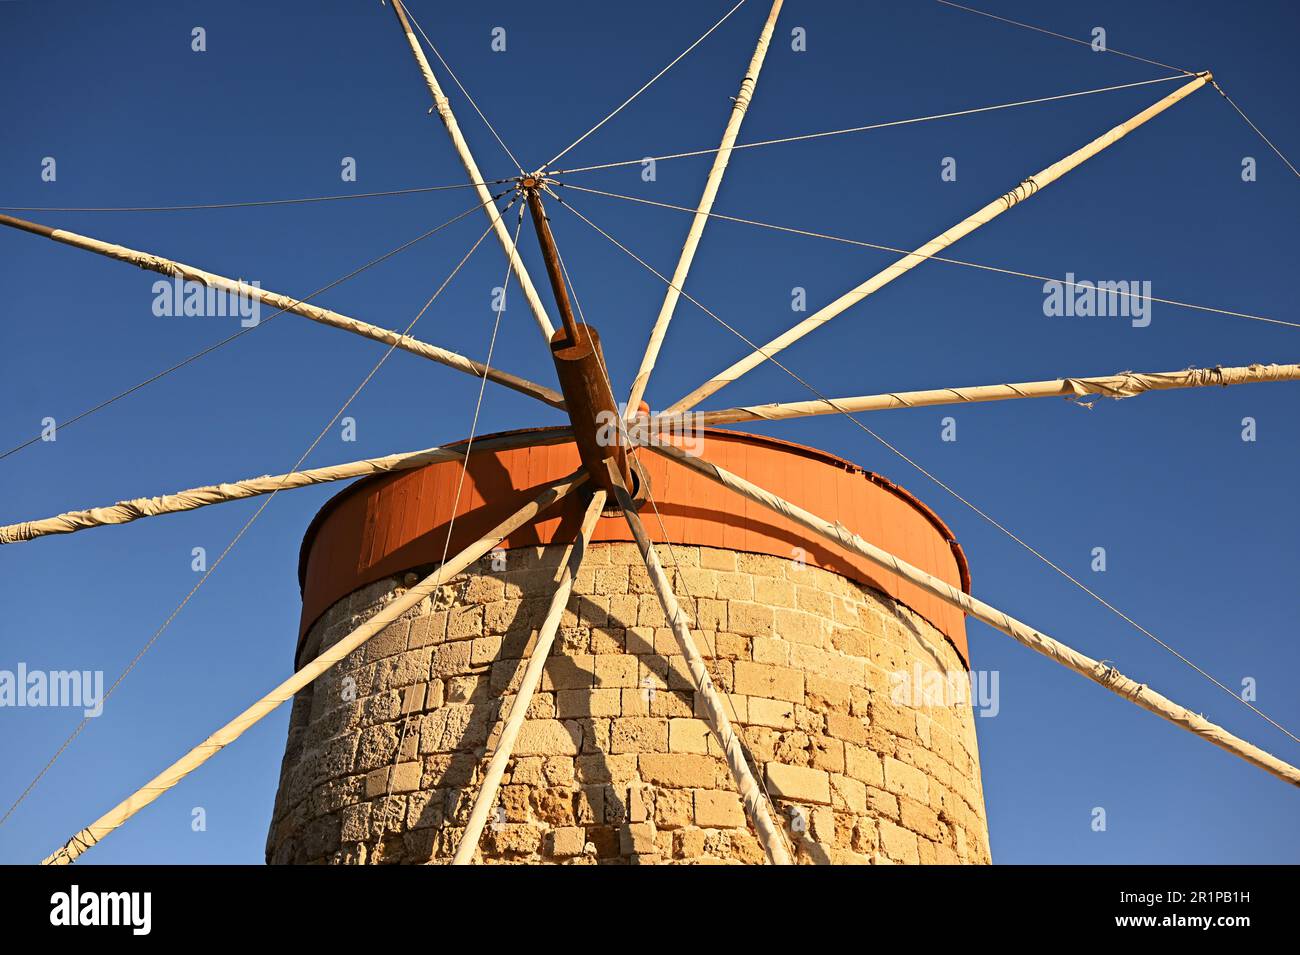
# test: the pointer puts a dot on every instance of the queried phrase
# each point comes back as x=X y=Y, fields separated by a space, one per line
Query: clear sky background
x=1199 y=526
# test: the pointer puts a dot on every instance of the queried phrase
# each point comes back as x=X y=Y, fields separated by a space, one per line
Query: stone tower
x=820 y=657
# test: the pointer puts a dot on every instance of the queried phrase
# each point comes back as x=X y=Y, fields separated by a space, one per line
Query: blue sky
x=1198 y=525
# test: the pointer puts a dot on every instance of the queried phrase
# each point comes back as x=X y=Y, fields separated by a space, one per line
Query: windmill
x=611 y=442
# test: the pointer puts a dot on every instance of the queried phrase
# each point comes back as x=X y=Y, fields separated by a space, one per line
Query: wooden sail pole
x=1125 y=384
x=1027 y=188
x=711 y=185
x=223 y=737
x=505 y=746
x=757 y=806
x=285 y=303
x=124 y=512
x=443 y=108
x=1098 y=672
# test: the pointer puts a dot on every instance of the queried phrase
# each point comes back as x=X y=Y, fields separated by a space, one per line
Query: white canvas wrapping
x=752 y=796
x=1097 y=671
x=443 y=108
x=1126 y=384
x=487 y=793
x=747 y=86
x=223 y=737
x=123 y=512
x=1027 y=188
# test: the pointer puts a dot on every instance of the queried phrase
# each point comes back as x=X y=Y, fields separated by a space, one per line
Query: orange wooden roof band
x=390 y=523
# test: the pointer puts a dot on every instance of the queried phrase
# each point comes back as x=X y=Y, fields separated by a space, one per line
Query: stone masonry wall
x=614 y=763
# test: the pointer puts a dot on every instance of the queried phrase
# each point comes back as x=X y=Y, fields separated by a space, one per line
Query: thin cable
x=242 y=531
x=1231 y=102
x=738 y=727
x=862 y=129
x=451 y=524
x=1258 y=131
x=244 y=331
x=456 y=80
x=558 y=156
x=935 y=258
x=983 y=514
x=1062 y=36
x=245 y=205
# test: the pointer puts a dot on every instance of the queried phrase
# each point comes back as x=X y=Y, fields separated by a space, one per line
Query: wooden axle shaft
x=550 y=255
x=597 y=426
x=580 y=366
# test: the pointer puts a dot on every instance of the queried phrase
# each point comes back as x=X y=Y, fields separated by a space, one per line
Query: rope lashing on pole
x=443 y=107
x=660 y=328
x=124 y=512
x=227 y=734
x=757 y=806
x=505 y=745
x=285 y=303
x=1127 y=384
x=1099 y=672
x=988 y=213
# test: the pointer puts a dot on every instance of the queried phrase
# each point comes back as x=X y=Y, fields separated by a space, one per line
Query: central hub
x=597 y=427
